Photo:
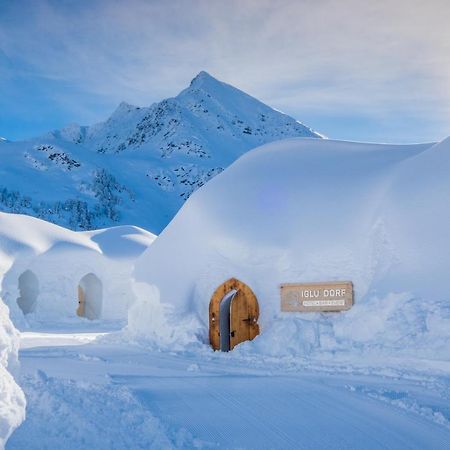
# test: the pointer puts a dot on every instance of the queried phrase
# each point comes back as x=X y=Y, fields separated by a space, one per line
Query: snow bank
x=42 y=265
x=88 y=416
x=304 y=210
x=12 y=400
x=149 y=323
x=397 y=325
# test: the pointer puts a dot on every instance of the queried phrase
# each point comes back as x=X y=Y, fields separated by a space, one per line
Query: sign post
x=316 y=297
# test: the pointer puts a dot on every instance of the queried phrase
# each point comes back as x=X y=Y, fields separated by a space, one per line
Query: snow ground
x=89 y=389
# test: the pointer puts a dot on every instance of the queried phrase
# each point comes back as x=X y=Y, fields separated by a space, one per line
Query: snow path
x=282 y=412
x=107 y=395
x=56 y=340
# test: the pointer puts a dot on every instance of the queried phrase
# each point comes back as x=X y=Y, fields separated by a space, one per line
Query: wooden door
x=81 y=302
x=242 y=312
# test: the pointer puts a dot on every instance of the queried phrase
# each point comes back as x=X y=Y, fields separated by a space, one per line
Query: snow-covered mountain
x=141 y=164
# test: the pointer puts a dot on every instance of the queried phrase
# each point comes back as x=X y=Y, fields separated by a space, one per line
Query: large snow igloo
x=305 y=210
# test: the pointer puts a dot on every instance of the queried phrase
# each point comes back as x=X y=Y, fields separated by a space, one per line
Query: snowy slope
x=140 y=165
x=305 y=210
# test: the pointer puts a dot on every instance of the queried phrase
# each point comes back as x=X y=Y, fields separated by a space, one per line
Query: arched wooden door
x=243 y=314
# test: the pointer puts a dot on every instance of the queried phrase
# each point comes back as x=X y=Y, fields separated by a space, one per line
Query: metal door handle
x=250 y=319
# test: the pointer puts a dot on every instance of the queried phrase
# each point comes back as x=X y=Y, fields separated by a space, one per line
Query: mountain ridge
x=141 y=158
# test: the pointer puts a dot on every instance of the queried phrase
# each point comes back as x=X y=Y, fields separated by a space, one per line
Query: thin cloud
x=377 y=59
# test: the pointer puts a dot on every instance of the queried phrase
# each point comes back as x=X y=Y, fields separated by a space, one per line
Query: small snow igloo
x=53 y=273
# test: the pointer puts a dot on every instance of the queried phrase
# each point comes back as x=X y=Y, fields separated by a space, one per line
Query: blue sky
x=375 y=70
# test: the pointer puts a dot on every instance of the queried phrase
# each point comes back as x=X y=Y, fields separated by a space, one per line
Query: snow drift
x=12 y=399
x=42 y=267
x=304 y=210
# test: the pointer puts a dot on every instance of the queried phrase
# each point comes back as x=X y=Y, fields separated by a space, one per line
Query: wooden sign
x=313 y=297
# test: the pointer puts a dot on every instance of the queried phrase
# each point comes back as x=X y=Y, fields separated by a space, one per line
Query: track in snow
x=200 y=400
x=282 y=412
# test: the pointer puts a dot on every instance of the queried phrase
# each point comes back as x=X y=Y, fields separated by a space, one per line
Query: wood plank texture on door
x=244 y=317
x=247 y=313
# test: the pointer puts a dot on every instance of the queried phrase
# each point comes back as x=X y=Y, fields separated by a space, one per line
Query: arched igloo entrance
x=90 y=297
x=29 y=291
x=233 y=315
